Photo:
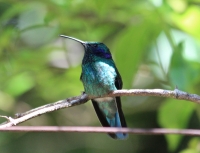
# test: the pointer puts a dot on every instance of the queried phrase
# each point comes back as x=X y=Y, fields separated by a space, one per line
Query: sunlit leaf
x=189 y=151
x=19 y=84
x=188 y=22
x=193 y=146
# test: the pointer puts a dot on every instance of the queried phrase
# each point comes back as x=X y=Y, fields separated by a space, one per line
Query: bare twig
x=176 y=94
x=153 y=131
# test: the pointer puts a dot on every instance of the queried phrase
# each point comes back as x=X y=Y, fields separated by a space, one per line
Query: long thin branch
x=153 y=131
x=22 y=117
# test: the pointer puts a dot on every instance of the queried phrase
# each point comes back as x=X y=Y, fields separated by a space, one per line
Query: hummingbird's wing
x=118 y=120
x=81 y=77
x=118 y=80
x=118 y=85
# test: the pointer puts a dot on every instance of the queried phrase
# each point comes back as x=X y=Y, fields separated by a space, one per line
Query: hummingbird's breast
x=98 y=77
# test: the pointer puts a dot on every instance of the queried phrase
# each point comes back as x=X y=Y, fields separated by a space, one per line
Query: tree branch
x=22 y=117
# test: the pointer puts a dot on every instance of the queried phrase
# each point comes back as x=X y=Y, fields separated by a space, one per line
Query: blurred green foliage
x=155 y=44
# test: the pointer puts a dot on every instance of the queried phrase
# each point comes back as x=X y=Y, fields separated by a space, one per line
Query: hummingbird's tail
x=116 y=122
x=110 y=115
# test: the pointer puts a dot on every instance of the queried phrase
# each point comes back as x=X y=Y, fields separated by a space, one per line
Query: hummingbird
x=100 y=77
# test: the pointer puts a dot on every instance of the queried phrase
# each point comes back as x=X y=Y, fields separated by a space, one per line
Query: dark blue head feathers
x=98 y=49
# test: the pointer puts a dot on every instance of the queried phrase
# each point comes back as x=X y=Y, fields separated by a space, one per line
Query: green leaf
x=175 y=114
x=177 y=74
x=19 y=84
x=193 y=146
x=189 y=151
x=188 y=22
x=129 y=51
x=183 y=74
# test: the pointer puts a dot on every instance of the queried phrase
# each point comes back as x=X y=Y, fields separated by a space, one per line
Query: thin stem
x=153 y=131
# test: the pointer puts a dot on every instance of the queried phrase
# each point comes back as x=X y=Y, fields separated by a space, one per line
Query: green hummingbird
x=101 y=77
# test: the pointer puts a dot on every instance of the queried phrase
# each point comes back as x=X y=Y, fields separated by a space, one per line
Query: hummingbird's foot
x=18 y=115
x=82 y=92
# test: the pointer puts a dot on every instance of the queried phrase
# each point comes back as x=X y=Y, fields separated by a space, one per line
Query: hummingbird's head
x=93 y=48
x=97 y=49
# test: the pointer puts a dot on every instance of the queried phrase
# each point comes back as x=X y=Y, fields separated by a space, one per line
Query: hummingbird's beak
x=78 y=40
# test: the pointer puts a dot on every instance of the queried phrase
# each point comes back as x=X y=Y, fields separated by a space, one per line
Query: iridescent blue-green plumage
x=100 y=77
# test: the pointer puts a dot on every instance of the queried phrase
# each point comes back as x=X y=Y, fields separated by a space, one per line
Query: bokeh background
x=155 y=44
